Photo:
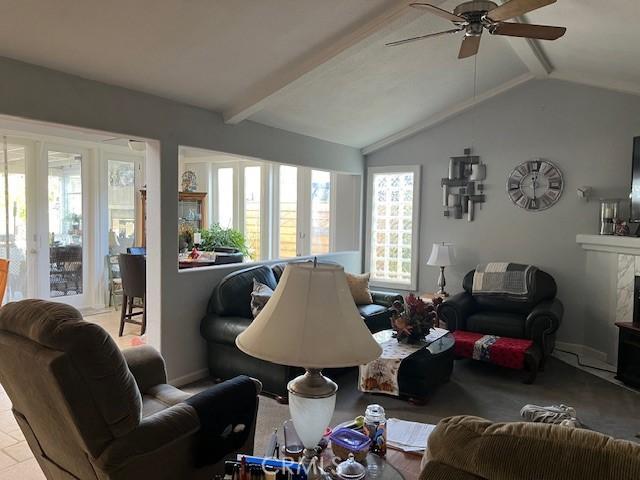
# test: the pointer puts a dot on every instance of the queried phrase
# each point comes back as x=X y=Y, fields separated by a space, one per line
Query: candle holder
x=608 y=215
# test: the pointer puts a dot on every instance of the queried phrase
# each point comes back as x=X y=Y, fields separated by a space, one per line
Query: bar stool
x=133 y=270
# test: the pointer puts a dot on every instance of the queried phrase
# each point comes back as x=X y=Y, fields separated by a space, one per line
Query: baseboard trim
x=189 y=378
x=583 y=351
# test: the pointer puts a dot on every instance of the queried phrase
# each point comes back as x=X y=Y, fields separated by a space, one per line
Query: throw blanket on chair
x=226 y=413
x=510 y=280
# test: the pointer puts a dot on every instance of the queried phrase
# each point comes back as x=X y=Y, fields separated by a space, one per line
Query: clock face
x=535 y=185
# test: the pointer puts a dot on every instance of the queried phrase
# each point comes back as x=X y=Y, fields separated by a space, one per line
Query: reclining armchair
x=89 y=411
x=537 y=319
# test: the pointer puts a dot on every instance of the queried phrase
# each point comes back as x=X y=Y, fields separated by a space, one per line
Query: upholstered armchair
x=537 y=319
x=89 y=411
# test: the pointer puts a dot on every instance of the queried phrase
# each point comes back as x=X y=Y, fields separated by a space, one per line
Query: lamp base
x=312 y=400
x=441 y=284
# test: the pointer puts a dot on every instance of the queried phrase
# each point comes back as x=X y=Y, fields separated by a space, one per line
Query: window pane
x=65 y=223
x=121 y=205
x=225 y=197
x=391 y=227
x=14 y=247
x=252 y=183
x=288 y=211
x=320 y=211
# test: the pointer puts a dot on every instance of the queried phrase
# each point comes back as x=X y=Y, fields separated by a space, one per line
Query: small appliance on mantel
x=608 y=216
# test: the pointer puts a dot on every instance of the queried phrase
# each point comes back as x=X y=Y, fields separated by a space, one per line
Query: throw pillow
x=359 y=286
x=259 y=297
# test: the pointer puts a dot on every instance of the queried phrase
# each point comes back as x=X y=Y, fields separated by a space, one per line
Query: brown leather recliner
x=89 y=411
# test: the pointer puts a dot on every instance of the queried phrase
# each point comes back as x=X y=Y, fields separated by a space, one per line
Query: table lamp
x=311 y=321
x=442 y=255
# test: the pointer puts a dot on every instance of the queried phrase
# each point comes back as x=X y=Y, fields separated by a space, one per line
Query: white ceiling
x=602 y=43
x=215 y=53
x=379 y=90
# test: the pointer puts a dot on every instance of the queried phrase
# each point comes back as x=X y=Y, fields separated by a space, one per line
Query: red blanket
x=503 y=351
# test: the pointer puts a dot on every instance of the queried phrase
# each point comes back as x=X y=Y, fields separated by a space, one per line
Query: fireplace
x=636 y=301
x=629 y=343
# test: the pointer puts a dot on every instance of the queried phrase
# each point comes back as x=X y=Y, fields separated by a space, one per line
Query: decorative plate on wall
x=535 y=185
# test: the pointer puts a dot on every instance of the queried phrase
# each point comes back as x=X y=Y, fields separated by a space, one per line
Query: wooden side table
x=429 y=297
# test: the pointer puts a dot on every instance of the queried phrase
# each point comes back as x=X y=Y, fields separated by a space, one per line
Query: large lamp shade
x=311 y=321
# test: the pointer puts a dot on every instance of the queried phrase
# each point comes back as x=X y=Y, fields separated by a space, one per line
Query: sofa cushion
x=259 y=297
x=223 y=329
x=509 y=450
x=502 y=324
x=359 y=286
x=278 y=269
x=232 y=296
x=371 y=310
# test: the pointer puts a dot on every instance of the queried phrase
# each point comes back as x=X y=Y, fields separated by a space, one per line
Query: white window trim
x=415 y=233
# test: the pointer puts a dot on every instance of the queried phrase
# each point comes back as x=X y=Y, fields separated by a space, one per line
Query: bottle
x=375 y=426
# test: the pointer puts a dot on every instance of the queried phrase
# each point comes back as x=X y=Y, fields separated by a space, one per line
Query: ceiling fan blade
x=422 y=37
x=439 y=12
x=527 y=30
x=515 y=8
x=470 y=46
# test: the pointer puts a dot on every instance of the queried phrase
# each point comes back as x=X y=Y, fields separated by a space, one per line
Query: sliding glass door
x=14 y=230
x=66 y=225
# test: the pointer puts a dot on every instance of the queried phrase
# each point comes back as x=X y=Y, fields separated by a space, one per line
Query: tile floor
x=110 y=321
x=16 y=459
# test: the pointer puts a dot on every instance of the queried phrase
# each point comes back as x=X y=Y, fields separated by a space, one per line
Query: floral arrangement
x=413 y=320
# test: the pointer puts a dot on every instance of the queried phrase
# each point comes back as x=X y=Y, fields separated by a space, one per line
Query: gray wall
x=586 y=131
x=179 y=299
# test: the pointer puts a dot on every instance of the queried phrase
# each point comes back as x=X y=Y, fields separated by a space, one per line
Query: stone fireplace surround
x=611 y=266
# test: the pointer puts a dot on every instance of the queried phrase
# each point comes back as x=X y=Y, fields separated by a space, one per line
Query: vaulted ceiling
x=316 y=67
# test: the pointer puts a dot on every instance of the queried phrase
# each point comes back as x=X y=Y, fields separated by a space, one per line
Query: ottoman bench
x=514 y=353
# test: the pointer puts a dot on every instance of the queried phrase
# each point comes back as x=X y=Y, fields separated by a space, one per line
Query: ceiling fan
x=474 y=16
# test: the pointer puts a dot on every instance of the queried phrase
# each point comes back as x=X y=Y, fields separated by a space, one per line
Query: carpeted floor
x=489 y=392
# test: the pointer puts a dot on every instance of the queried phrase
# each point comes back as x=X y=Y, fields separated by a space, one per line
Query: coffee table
x=396 y=465
x=422 y=371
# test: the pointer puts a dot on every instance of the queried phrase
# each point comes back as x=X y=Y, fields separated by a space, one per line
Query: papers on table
x=408 y=436
x=435 y=334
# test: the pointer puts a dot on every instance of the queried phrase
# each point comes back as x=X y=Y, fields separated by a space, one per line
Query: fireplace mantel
x=609 y=243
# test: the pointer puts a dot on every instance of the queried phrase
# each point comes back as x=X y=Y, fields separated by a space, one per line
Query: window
x=65 y=223
x=320 y=212
x=288 y=210
x=283 y=211
x=225 y=197
x=121 y=205
x=392 y=234
x=252 y=212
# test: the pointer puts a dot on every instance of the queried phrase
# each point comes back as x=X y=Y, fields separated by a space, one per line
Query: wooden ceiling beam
x=280 y=81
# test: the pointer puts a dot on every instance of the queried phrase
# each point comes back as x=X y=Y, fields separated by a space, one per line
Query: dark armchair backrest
x=544 y=288
x=232 y=296
x=133 y=271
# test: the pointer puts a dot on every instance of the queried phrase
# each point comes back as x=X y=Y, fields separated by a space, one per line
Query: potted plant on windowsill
x=223 y=240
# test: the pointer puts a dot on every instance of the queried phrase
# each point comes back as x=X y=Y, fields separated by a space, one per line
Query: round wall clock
x=535 y=185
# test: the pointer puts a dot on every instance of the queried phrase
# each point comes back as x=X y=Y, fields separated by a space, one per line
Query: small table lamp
x=311 y=321
x=442 y=255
